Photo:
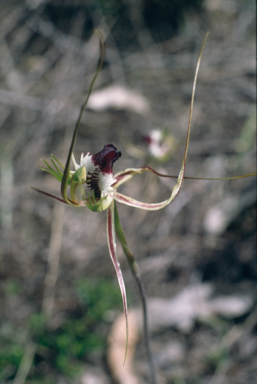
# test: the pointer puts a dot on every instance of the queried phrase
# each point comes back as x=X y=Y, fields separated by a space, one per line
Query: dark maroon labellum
x=105 y=158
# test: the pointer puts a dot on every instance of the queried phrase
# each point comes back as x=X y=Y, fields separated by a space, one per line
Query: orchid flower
x=92 y=184
x=160 y=144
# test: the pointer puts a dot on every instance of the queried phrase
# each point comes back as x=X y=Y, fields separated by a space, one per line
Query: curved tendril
x=66 y=172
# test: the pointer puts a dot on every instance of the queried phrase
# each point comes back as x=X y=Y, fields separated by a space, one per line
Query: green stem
x=135 y=271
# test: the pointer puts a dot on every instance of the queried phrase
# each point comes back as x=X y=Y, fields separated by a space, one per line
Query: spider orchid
x=160 y=144
x=93 y=185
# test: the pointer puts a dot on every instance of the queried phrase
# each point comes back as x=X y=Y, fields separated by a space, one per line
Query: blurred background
x=58 y=291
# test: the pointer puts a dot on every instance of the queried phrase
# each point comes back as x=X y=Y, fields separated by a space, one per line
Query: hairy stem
x=135 y=271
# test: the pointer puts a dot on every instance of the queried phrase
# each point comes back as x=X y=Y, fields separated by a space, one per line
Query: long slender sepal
x=192 y=105
x=156 y=206
x=112 y=249
x=124 y=176
x=66 y=173
x=49 y=195
x=134 y=203
x=175 y=191
x=222 y=178
x=135 y=271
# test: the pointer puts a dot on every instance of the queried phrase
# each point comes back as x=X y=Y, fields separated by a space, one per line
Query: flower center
x=101 y=177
